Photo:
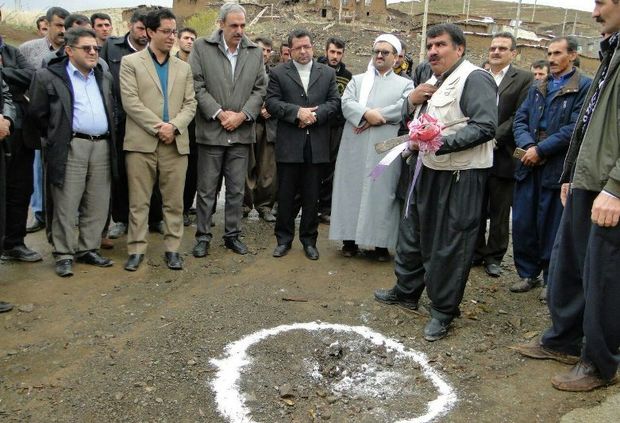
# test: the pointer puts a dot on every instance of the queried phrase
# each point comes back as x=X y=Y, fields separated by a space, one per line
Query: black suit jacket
x=285 y=95
x=511 y=92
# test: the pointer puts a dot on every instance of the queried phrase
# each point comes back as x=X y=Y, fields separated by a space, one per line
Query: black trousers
x=120 y=189
x=437 y=238
x=584 y=287
x=495 y=207
x=191 y=176
x=19 y=188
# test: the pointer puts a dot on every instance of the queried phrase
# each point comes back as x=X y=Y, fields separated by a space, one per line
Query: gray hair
x=228 y=8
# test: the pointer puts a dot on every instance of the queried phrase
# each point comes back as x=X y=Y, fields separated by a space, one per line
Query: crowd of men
x=104 y=136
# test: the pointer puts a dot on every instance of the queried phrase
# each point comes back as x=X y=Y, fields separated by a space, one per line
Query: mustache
x=598 y=19
x=433 y=57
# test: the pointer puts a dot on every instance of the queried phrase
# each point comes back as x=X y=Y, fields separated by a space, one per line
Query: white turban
x=391 y=39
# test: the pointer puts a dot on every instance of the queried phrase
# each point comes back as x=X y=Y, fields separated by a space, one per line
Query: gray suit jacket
x=217 y=88
x=285 y=95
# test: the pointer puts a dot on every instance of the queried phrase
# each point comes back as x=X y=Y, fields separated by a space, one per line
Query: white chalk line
x=231 y=402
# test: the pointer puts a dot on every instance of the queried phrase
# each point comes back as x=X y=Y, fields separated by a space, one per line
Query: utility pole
x=517 y=19
x=575 y=24
x=534 y=11
x=340 y=11
x=467 y=16
x=564 y=23
x=465 y=5
x=424 y=24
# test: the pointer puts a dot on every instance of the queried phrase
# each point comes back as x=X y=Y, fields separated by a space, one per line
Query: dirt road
x=108 y=345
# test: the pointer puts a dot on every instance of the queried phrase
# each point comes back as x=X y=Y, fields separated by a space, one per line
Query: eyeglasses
x=501 y=49
x=88 y=49
x=383 y=53
x=167 y=32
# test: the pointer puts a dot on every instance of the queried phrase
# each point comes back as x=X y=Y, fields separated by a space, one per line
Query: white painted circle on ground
x=231 y=402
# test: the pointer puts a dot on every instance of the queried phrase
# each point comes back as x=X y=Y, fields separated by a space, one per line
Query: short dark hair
x=455 y=33
x=39 y=20
x=264 y=41
x=284 y=44
x=513 y=45
x=403 y=47
x=74 y=34
x=187 y=29
x=298 y=33
x=540 y=64
x=138 y=15
x=571 y=42
x=75 y=18
x=154 y=18
x=56 y=11
x=338 y=42
x=101 y=16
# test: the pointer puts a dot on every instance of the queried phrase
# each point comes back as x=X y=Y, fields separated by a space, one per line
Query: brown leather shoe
x=583 y=377
x=525 y=284
x=107 y=244
x=535 y=350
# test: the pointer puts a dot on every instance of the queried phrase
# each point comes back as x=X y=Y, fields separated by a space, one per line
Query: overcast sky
x=93 y=4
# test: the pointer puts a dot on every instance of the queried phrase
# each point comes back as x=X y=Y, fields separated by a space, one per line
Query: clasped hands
x=166 y=132
x=531 y=157
x=306 y=116
x=231 y=120
x=372 y=117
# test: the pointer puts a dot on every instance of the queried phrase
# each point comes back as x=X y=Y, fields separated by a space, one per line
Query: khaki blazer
x=143 y=101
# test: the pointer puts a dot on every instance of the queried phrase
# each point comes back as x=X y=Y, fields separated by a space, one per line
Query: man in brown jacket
x=158 y=97
x=230 y=85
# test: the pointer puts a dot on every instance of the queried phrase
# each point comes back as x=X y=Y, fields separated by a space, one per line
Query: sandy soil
x=108 y=345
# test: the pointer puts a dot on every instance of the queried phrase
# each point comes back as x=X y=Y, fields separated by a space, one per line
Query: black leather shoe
x=35 y=226
x=236 y=245
x=311 y=252
x=200 y=249
x=391 y=296
x=4 y=306
x=95 y=259
x=21 y=253
x=435 y=329
x=133 y=262
x=174 y=261
x=64 y=268
x=281 y=250
x=493 y=270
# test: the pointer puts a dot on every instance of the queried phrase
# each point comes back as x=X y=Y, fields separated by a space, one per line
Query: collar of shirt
x=610 y=43
x=49 y=44
x=72 y=70
x=499 y=76
x=154 y=57
x=131 y=46
x=307 y=67
x=385 y=75
x=562 y=79
x=228 y=52
x=447 y=73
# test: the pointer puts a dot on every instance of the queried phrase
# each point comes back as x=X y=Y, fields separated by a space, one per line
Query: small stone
x=118 y=396
x=159 y=400
x=191 y=362
x=286 y=391
x=501 y=311
x=326 y=415
x=26 y=308
x=11 y=352
x=332 y=399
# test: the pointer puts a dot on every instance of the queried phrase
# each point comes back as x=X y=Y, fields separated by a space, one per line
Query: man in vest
x=437 y=237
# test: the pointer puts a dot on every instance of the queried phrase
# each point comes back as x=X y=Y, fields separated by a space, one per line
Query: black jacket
x=17 y=74
x=8 y=111
x=114 y=49
x=285 y=95
x=51 y=110
x=511 y=93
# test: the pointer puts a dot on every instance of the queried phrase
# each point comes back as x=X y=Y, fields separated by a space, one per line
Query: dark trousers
x=436 y=240
x=584 y=287
x=189 y=191
x=536 y=214
x=120 y=190
x=19 y=180
x=327 y=179
x=214 y=162
x=261 y=181
x=495 y=207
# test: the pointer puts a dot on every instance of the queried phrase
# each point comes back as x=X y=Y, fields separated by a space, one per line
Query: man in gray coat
x=230 y=84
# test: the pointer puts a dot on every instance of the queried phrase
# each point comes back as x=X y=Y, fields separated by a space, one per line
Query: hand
x=531 y=157
x=264 y=113
x=374 y=117
x=421 y=94
x=606 y=210
x=165 y=132
x=306 y=117
x=362 y=128
x=5 y=127
x=232 y=120
x=564 y=193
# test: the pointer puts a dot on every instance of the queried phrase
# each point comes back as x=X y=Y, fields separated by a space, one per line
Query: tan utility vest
x=445 y=106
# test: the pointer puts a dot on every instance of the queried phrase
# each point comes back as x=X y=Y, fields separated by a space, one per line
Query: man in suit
x=158 y=97
x=79 y=151
x=303 y=96
x=230 y=86
x=512 y=84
